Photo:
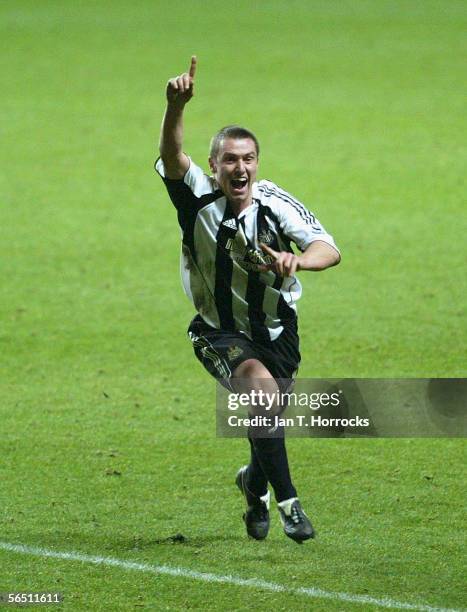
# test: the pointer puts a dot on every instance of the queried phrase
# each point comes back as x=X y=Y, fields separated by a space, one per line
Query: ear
x=212 y=165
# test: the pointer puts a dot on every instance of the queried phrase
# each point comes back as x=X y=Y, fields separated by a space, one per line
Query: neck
x=237 y=207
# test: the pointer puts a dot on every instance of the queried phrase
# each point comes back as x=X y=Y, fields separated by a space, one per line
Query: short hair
x=231 y=131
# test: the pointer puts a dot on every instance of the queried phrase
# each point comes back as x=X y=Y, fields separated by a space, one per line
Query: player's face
x=235 y=169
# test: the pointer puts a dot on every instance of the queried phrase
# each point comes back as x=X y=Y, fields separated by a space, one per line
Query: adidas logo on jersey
x=230 y=223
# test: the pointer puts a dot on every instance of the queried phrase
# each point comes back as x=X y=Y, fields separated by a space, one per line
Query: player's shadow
x=111 y=547
x=178 y=539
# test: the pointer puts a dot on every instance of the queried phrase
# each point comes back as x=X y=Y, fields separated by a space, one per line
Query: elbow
x=332 y=260
x=320 y=256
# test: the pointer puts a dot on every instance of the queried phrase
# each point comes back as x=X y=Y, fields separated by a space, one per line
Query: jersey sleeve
x=189 y=194
x=295 y=220
x=190 y=188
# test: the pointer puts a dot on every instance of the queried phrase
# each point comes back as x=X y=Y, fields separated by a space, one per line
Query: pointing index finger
x=269 y=251
x=193 y=66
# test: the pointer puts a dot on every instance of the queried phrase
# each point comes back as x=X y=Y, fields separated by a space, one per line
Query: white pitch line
x=256 y=583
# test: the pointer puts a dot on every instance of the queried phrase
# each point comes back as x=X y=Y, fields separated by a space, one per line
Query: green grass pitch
x=107 y=442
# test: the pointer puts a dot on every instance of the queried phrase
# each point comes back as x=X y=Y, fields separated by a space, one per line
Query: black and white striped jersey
x=221 y=254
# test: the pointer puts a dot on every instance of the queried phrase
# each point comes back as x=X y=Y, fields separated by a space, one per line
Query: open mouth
x=238 y=183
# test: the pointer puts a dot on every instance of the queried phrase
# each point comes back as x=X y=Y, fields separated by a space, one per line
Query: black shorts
x=221 y=352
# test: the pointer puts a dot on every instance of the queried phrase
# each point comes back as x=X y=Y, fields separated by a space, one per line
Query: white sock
x=265 y=498
x=286 y=505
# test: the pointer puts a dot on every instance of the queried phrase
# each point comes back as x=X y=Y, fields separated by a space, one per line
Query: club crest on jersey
x=234 y=352
x=266 y=236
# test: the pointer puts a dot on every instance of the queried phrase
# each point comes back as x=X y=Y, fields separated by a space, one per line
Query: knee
x=254 y=375
x=254 y=378
x=252 y=368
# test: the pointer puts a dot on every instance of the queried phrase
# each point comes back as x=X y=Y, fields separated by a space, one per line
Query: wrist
x=175 y=107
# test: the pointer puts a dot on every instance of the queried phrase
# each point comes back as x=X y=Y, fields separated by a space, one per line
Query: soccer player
x=239 y=270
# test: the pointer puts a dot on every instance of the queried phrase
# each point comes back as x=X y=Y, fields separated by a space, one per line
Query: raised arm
x=179 y=92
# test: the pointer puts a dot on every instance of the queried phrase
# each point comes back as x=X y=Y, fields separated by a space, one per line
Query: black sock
x=257 y=481
x=271 y=455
